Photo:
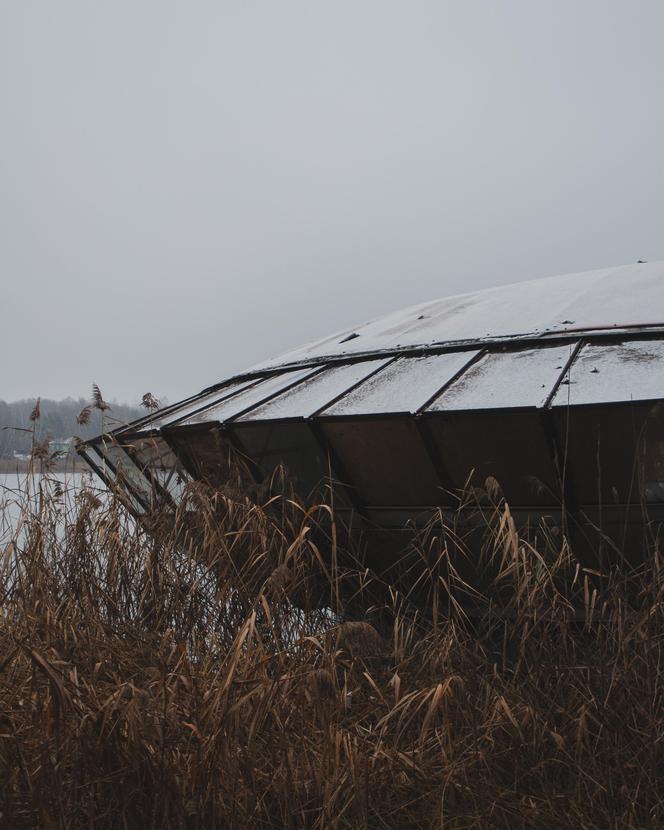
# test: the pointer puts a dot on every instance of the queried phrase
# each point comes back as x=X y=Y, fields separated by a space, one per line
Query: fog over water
x=189 y=188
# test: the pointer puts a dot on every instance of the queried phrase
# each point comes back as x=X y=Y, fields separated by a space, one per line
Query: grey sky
x=187 y=188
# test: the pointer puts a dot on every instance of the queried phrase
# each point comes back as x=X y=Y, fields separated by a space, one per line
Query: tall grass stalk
x=212 y=670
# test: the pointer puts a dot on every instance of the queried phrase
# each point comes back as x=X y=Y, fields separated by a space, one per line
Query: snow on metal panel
x=506 y=379
x=188 y=407
x=308 y=397
x=252 y=396
x=630 y=295
x=404 y=386
x=630 y=371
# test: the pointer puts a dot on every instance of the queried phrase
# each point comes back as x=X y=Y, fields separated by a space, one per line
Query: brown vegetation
x=189 y=677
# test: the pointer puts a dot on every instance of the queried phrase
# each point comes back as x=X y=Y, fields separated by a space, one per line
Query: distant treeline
x=57 y=421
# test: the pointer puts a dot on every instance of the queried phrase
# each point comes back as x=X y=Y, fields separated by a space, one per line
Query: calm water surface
x=19 y=492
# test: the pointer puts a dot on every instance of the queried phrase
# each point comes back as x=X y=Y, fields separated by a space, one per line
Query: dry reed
x=189 y=677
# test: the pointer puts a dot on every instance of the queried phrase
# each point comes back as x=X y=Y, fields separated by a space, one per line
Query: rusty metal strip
x=561 y=377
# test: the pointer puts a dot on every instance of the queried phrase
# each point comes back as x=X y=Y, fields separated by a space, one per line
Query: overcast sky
x=187 y=188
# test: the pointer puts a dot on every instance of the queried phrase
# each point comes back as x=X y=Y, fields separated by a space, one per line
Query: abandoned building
x=552 y=387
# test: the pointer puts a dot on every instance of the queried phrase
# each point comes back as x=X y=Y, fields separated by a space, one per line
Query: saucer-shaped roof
x=506 y=347
x=401 y=407
x=629 y=296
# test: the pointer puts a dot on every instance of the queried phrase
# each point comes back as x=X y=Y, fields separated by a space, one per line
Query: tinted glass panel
x=291 y=444
x=208 y=455
x=125 y=466
x=386 y=461
x=510 y=447
x=109 y=459
x=614 y=454
x=155 y=457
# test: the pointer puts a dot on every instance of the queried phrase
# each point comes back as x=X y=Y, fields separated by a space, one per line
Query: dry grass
x=173 y=679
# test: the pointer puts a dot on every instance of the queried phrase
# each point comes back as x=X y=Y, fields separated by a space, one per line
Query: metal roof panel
x=615 y=372
x=506 y=379
x=404 y=386
x=310 y=395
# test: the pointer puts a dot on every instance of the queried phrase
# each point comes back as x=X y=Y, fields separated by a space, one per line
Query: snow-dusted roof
x=624 y=297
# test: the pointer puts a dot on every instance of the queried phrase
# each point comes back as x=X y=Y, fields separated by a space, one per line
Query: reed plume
x=209 y=669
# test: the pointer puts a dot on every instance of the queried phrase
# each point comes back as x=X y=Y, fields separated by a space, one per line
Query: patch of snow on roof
x=630 y=295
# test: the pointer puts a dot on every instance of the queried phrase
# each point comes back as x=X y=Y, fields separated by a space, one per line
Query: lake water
x=19 y=492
